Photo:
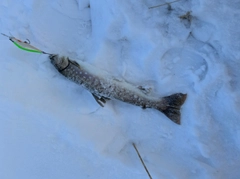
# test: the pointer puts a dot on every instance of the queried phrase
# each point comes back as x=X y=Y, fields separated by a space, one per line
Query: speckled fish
x=104 y=87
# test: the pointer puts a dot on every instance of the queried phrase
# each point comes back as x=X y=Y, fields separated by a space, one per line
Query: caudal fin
x=172 y=107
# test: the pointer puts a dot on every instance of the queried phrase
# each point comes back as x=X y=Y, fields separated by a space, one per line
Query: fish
x=104 y=87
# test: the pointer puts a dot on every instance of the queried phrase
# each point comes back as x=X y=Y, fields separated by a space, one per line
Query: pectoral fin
x=74 y=63
x=100 y=100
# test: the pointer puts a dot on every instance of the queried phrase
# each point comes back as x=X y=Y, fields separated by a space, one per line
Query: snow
x=53 y=128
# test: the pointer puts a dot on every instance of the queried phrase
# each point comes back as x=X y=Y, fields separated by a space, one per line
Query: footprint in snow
x=183 y=65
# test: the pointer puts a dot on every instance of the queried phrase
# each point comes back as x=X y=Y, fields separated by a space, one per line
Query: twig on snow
x=135 y=147
x=167 y=3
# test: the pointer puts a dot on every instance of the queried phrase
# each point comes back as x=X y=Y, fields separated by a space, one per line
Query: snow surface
x=52 y=128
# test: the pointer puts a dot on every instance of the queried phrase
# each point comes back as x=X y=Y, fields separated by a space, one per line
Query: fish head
x=59 y=62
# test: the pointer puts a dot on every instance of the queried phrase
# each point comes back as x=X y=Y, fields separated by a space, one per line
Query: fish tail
x=172 y=106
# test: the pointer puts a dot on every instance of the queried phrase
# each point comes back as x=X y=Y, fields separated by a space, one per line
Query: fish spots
x=96 y=81
x=106 y=87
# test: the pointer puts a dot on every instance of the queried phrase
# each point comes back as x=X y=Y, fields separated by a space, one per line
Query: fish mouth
x=51 y=56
